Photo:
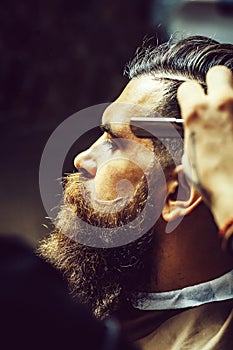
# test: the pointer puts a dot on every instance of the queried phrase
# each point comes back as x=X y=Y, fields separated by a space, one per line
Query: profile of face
x=113 y=173
x=110 y=190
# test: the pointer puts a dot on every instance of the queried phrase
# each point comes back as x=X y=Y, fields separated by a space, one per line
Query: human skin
x=124 y=157
x=172 y=263
x=111 y=167
x=209 y=139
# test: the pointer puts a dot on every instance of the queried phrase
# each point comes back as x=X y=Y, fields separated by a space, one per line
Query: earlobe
x=182 y=198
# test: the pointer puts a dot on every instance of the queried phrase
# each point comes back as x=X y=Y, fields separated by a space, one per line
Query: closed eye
x=112 y=140
x=111 y=144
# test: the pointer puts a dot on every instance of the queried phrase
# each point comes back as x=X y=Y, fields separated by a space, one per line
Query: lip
x=108 y=202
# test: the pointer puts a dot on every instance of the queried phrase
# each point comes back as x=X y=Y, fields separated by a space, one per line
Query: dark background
x=57 y=57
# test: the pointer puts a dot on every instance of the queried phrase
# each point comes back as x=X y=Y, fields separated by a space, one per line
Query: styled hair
x=176 y=62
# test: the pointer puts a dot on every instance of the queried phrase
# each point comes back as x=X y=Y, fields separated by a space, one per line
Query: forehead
x=138 y=99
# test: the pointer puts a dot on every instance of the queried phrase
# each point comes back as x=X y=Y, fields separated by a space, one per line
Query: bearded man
x=170 y=291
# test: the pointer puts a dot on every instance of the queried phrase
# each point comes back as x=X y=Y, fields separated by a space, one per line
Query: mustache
x=77 y=194
x=103 y=278
x=82 y=222
x=120 y=212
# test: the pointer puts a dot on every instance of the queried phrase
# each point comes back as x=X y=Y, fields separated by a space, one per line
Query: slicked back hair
x=176 y=62
x=191 y=58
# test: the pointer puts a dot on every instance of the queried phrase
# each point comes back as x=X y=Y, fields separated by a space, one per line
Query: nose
x=86 y=163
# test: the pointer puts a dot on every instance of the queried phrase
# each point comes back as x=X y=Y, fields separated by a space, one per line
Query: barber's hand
x=208 y=121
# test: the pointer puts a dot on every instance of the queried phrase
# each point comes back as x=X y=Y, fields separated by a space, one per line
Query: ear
x=188 y=197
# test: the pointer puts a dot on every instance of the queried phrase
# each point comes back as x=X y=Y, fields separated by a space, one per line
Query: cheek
x=117 y=178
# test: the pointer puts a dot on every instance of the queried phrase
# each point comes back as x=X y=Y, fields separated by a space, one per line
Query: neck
x=190 y=255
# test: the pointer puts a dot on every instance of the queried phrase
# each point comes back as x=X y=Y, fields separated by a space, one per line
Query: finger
x=219 y=81
x=189 y=95
x=187 y=168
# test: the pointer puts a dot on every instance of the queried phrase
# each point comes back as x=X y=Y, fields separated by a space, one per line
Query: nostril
x=86 y=164
x=85 y=173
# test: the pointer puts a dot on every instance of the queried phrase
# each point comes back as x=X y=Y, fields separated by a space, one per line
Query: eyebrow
x=107 y=128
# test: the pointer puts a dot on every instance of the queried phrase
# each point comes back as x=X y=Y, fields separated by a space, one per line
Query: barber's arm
x=208 y=157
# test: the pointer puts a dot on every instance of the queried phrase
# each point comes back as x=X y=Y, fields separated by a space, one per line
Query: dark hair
x=175 y=62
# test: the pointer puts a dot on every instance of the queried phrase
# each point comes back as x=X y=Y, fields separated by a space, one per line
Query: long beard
x=103 y=278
